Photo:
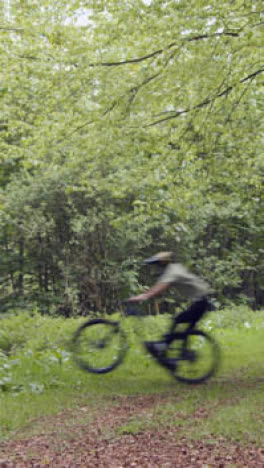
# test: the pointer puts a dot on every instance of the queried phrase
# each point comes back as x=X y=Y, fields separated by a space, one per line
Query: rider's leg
x=189 y=317
x=192 y=315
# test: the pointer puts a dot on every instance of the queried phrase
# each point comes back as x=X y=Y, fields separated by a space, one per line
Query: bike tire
x=198 y=367
x=99 y=346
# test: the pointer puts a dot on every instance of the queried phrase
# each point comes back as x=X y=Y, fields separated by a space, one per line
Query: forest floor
x=126 y=431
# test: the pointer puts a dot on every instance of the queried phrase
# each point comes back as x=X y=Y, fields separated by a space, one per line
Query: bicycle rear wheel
x=99 y=346
x=196 y=357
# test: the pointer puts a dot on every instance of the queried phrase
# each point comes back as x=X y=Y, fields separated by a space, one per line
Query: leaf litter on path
x=88 y=438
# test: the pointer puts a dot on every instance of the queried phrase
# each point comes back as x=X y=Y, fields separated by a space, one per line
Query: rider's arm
x=169 y=276
x=157 y=289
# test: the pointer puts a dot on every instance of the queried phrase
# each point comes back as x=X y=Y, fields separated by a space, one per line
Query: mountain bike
x=100 y=345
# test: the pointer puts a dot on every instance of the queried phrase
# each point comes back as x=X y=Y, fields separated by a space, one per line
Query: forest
x=127 y=128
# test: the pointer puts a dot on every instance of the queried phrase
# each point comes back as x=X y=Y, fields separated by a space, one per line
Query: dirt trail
x=88 y=438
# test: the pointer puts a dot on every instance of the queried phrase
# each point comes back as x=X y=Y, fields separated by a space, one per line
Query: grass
x=212 y=410
x=43 y=380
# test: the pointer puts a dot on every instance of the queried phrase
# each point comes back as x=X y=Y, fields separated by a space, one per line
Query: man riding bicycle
x=188 y=285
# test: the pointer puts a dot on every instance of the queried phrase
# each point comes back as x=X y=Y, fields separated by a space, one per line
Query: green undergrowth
x=38 y=377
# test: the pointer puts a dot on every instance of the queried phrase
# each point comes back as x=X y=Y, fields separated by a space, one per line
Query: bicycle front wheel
x=99 y=346
x=196 y=356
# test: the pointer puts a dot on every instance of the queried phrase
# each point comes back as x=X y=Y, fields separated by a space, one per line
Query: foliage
x=125 y=130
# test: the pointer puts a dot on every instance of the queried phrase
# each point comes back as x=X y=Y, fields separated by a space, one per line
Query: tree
x=126 y=128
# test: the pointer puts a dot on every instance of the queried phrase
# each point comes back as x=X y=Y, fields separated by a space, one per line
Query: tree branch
x=135 y=89
x=161 y=51
x=28 y=57
x=144 y=57
x=207 y=101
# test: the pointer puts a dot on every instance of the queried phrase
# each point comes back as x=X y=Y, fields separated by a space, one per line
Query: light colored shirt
x=188 y=285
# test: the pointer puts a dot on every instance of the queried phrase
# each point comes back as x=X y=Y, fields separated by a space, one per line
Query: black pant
x=192 y=315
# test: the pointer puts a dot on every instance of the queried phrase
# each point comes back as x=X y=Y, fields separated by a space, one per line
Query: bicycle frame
x=170 y=333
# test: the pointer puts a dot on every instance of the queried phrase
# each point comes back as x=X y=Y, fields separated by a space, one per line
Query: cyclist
x=188 y=285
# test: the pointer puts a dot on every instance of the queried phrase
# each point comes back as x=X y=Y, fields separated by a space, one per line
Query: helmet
x=160 y=258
